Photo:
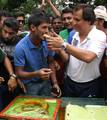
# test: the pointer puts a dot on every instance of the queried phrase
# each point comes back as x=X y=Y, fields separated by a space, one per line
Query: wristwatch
x=64 y=45
x=13 y=75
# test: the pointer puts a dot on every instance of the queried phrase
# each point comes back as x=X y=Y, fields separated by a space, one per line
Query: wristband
x=64 y=45
x=13 y=75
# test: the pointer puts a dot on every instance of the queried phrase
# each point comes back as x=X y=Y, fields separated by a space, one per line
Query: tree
x=27 y=5
x=10 y=4
x=91 y=2
x=3 y=3
x=100 y=2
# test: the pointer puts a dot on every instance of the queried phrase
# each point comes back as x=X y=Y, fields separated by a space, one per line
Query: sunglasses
x=21 y=21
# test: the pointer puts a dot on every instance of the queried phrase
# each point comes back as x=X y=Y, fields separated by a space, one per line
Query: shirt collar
x=76 y=36
x=32 y=46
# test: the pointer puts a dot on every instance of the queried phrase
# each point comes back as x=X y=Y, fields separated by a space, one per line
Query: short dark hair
x=66 y=10
x=17 y=14
x=56 y=17
x=38 y=18
x=4 y=13
x=11 y=22
x=88 y=13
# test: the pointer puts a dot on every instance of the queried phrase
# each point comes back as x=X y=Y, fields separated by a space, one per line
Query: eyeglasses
x=21 y=21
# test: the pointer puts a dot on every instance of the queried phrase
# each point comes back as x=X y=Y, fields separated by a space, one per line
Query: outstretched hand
x=54 y=42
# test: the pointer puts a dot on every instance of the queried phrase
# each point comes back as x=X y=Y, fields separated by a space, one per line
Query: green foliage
x=28 y=5
x=101 y=2
x=12 y=4
x=3 y=4
x=96 y=2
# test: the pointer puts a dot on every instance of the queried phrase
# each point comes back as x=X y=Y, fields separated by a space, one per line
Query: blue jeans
x=41 y=88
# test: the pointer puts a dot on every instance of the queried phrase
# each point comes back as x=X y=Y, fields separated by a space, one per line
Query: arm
x=12 y=83
x=58 y=41
x=8 y=65
x=57 y=91
x=81 y=54
x=43 y=4
x=52 y=67
x=43 y=73
x=54 y=9
x=24 y=74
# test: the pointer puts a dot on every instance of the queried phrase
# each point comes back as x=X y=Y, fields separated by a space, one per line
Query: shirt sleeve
x=19 y=56
x=98 y=44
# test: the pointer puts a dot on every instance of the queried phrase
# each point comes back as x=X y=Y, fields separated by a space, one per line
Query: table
x=78 y=101
x=82 y=101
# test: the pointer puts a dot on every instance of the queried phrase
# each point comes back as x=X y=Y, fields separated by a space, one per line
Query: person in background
x=67 y=23
x=3 y=15
x=20 y=17
x=57 y=24
x=83 y=55
x=34 y=63
x=11 y=84
x=8 y=37
x=101 y=18
x=8 y=41
x=101 y=24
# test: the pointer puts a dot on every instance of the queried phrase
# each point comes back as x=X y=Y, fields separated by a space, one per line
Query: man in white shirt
x=84 y=54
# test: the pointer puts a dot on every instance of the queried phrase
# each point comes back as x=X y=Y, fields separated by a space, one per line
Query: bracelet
x=13 y=75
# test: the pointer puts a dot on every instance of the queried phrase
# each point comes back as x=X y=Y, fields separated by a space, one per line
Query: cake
x=88 y=112
x=31 y=108
x=76 y=112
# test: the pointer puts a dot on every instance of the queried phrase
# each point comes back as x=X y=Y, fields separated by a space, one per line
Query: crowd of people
x=60 y=56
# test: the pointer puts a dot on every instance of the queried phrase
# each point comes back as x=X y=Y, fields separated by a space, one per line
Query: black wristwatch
x=64 y=45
